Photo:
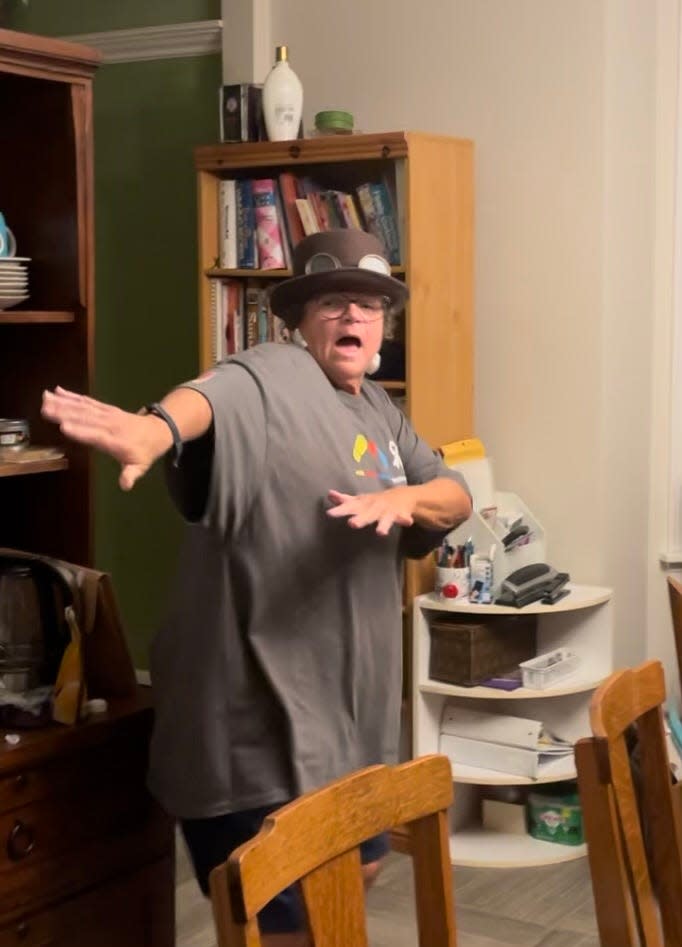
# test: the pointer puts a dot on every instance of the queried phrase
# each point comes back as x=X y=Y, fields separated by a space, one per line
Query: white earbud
x=374 y=365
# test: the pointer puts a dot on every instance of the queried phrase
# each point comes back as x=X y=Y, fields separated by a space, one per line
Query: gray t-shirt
x=278 y=667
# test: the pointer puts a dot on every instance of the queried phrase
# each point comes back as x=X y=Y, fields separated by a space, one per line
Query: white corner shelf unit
x=581 y=622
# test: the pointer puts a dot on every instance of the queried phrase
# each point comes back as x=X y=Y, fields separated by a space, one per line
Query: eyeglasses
x=334 y=305
x=327 y=262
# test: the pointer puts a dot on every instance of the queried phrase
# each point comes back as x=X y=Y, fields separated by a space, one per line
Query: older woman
x=279 y=666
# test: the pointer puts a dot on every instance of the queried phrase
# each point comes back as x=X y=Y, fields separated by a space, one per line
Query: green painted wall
x=148 y=118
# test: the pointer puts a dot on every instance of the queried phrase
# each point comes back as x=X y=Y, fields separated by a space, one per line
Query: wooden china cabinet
x=86 y=856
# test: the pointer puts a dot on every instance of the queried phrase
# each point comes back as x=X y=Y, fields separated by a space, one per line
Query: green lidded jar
x=334 y=122
x=556 y=817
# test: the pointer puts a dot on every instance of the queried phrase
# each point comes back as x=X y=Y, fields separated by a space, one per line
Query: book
x=268 y=233
x=386 y=221
x=319 y=209
x=331 y=210
x=364 y=192
x=215 y=319
x=348 y=210
x=308 y=219
x=228 y=224
x=288 y=190
x=252 y=308
x=265 y=323
x=280 y=332
x=283 y=228
x=233 y=302
x=247 y=250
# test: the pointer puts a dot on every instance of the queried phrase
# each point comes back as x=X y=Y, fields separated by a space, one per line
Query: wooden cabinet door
x=134 y=911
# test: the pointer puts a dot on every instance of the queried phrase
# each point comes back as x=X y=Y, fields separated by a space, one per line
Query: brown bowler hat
x=336 y=260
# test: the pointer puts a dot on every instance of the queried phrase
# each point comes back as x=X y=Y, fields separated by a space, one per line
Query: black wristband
x=161 y=412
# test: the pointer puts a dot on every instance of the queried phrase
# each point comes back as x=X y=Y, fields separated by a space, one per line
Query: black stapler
x=533 y=583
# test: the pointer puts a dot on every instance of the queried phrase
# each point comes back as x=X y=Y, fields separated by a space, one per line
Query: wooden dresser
x=86 y=856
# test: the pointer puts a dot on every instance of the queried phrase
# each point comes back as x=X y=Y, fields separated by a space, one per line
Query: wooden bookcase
x=87 y=855
x=432 y=178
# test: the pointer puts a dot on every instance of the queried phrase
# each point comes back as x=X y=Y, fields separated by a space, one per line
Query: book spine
x=228 y=224
x=215 y=319
x=287 y=186
x=386 y=221
x=283 y=227
x=252 y=305
x=334 y=219
x=233 y=307
x=308 y=219
x=319 y=209
x=268 y=234
x=351 y=211
x=264 y=316
x=364 y=193
x=247 y=257
x=280 y=333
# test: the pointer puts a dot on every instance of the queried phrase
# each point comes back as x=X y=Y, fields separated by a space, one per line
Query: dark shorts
x=210 y=842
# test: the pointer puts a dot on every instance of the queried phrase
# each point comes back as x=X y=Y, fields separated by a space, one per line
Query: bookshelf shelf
x=247 y=273
x=216 y=271
x=25 y=316
x=393 y=385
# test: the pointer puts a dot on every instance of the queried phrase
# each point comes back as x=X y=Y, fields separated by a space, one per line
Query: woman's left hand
x=392 y=507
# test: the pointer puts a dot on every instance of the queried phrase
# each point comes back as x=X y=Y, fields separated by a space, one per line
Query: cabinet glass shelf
x=23 y=316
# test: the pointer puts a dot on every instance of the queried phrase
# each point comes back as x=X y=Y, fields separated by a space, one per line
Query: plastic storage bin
x=546 y=669
x=556 y=818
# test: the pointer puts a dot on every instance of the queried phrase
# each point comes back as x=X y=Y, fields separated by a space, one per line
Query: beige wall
x=572 y=110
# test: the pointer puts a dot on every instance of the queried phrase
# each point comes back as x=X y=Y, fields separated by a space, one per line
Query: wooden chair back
x=315 y=841
x=632 y=825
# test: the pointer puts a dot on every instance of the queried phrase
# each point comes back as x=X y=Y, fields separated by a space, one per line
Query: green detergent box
x=555 y=816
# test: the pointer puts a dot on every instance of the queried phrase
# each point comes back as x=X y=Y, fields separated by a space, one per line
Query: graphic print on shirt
x=376 y=463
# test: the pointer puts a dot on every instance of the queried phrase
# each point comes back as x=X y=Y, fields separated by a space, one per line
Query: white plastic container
x=546 y=669
x=486 y=534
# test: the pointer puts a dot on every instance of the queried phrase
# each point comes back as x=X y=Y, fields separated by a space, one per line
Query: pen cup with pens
x=452 y=571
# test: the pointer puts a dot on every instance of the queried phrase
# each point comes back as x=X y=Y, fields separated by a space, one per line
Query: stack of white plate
x=13 y=280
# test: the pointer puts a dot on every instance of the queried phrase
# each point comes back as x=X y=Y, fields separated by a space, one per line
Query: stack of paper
x=515 y=745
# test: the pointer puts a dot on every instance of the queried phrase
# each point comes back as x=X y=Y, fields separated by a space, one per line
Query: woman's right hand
x=134 y=440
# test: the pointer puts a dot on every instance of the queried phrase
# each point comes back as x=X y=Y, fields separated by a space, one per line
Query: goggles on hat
x=327 y=263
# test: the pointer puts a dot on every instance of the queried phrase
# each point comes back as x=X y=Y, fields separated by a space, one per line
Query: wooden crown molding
x=173 y=41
